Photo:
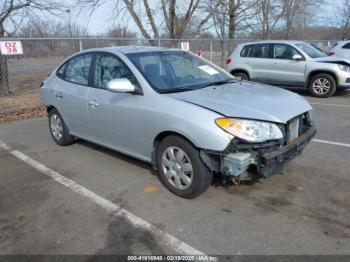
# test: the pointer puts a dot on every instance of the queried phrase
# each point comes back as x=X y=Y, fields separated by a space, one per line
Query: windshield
x=311 y=50
x=176 y=71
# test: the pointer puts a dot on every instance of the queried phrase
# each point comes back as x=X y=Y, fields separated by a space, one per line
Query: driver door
x=286 y=71
x=114 y=117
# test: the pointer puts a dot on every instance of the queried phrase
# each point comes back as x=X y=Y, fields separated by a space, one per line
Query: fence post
x=80 y=45
x=211 y=50
x=4 y=77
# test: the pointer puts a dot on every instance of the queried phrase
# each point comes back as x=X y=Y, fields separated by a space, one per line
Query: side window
x=261 y=51
x=346 y=46
x=282 y=51
x=60 y=71
x=244 y=51
x=108 y=67
x=78 y=69
x=247 y=51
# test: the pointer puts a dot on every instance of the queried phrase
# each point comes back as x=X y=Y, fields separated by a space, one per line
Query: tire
x=241 y=76
x=200 y=177
x=322 y=85
x=58 y=129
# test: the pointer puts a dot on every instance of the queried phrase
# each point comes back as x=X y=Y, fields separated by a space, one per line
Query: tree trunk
x=4 y=81
x=222 y=46
x=288 y=28
x=232 y=24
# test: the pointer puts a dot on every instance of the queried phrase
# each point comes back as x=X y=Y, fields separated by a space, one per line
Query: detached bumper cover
x=273 y=161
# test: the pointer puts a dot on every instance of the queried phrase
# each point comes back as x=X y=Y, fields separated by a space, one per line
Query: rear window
x=256 y=51
x=78 y=69
x=346 y=46
x=247 y=51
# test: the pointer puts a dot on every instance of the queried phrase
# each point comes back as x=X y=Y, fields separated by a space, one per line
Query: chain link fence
x=42 y=55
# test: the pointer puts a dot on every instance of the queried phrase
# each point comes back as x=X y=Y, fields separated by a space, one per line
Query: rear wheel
x=322 y=85
x=58 y=129
x=181 y=169
x=240 y=75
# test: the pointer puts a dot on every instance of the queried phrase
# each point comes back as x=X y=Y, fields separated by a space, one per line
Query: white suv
x=290 y=63
x=340 y=49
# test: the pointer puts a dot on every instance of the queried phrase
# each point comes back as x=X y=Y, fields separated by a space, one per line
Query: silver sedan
x=183 y=114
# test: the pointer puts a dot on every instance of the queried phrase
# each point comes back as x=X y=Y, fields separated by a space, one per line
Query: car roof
x=132 y=49
x=342 y=42
x=292 y=42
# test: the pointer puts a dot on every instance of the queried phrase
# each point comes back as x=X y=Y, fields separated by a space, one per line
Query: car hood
x=248 y=100
x=332 y=59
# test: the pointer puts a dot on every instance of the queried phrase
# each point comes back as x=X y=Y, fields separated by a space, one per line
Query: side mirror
x=297 y=57
x=121 y=85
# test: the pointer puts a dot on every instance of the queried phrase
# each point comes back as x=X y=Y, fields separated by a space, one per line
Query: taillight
x=331 y=53
x=228 y=61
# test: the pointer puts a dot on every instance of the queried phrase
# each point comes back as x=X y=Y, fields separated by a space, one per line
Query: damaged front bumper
x=268 y=158
x=272 y=162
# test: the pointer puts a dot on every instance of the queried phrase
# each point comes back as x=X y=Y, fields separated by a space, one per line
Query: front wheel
x=181 y=169
x=241 y=76
x=322 y=85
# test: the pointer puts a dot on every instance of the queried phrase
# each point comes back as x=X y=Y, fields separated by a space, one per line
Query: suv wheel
x=241 y=76
x=181 y=169
x=58 y=129
x=322 y=85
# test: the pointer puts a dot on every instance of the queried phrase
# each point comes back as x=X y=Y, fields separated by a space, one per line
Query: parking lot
x=84 y=199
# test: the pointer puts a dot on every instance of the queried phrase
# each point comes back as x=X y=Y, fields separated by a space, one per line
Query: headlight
x=249 y=130
x=344 y=68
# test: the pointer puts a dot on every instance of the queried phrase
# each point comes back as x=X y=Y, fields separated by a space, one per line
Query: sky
x=102 y=19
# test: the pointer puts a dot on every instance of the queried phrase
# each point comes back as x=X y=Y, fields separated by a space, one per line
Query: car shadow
x=305 y=92
x=116 y=154
x=218 y=179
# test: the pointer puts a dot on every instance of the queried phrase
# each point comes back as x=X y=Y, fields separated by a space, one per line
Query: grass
x=24 y=104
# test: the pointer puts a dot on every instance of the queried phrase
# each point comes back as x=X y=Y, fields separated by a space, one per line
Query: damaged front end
x=268 y=157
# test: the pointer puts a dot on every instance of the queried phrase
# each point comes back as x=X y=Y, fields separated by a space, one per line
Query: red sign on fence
x=11 y=48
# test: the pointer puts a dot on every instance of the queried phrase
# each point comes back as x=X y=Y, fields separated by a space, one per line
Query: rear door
x=285 y=70
x=260 y=63
x=71 y=93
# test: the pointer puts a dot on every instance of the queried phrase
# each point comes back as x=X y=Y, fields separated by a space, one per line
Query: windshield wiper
x=176 y=90
x=219 y=83
x=188 y=88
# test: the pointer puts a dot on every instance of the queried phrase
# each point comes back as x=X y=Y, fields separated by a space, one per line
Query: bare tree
x=268 y=17
x=343 y=18
x=297 y=8
x=121 y=32
x=164 y=17
x=12 y=13
x=36 y=27
x=230 y=17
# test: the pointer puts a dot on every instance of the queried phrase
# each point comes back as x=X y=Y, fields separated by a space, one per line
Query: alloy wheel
x=321 y=86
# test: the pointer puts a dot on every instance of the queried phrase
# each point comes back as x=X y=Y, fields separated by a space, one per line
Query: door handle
x=93 y=103
x=59 y=95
